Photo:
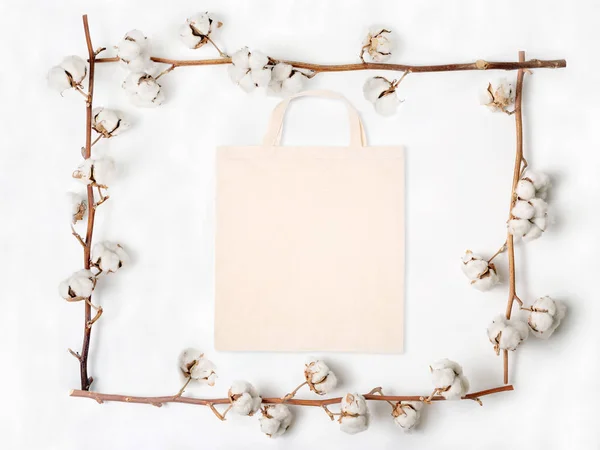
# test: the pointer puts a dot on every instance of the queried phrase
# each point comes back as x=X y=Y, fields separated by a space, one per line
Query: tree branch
x=100 y=398
x=512 y=290
x=87 y=329
x=318 y=68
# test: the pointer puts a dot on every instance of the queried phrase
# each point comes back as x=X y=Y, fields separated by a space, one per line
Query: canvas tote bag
x=310 y=244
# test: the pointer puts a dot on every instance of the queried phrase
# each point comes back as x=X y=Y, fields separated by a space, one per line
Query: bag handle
x=275 y=128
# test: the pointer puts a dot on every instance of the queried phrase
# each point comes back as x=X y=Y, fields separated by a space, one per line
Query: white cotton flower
x=387 y=104
x=407 y=414
x=108 y=122
x=197 y=29
x=523 y=210
x=498 y=98
x=97 y=172
x=249 y=69
x=540 y=207
x=378 y=45
x=545 y=316
x=382 y=93
x=525 y=190
x=533 y=233
x=282 y=71
x=482 y=273
x=68 y=74
x=448 y=379
x=519 y=227
x=275 y=420
x=134 y=51
x=540 y=222
x=319 y=377
x=78 y=286
x=194 y=365
x=244 y=398
x=529 y=214
x=78 y=206
x=108 y=256
x=143 y=90
x=507 y=334
x=354 y=414
x=540 y=181
x=285 y=80
x=374 y=86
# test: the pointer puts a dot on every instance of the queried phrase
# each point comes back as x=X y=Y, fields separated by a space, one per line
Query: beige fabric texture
x=310 y=245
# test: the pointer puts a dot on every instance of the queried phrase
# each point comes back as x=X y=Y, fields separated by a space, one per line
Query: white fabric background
x=459 y=169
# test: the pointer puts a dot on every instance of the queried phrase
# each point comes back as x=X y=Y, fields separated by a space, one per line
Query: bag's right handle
x=273 y=135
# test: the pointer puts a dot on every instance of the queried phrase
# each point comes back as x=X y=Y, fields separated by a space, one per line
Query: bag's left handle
x=275 y=128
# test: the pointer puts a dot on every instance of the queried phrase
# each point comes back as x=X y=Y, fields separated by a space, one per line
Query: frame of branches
x=95 y=197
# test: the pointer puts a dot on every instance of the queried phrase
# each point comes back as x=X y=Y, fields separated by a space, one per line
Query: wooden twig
x=319 y=68
x=271 y=400
x=86 y=380
x=510 y=245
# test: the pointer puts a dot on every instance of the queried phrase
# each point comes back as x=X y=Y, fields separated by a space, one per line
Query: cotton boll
x=78 y=286
x=407 y=414
x=108 y=122
x=78 y=206
x=448 y=379
x=275 y=420
x=482 y=274
x=473 y=265
x=387 y=104
x=75 y=67
x=485 y=97
x=244 y=398
x=247 y=83
x=499 y=97
x=540 y=222
x=261 y=77
x=281 y=72
x=97 y=172
x=58 y=79
x=241 y=58
x=201 y=23
x=285 y=80
x=540 y=207
x=319 y=377
x=519 y=227
x=293 y=84
x=523 y=210
x=197 y=29
x=374 y=87
x=133 y=51
x=541 y=181
x=533 y=233
x=143 y=90
x=353 y=418
x=525 y=190
x=545 y=316
x=236 y=73
x=378 y=45
x=507 y=334
x=249 y=69
x=68 y=74
x=108 y=256
x=486 y=281
x=257 y=60
x=193 y=365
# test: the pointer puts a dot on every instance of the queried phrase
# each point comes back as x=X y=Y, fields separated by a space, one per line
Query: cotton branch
x=512 y=294
x=319 y=68
x=86 y=381
x=273 y=400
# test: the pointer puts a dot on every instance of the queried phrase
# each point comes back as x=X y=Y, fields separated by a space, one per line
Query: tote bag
x=310 y=244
